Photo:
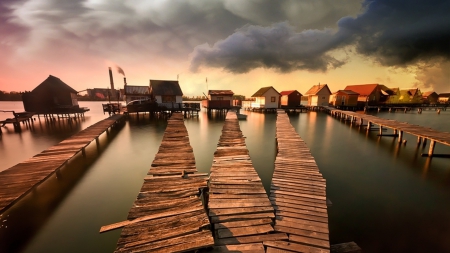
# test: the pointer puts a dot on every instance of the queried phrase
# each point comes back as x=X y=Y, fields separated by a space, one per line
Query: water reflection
x=25 y=218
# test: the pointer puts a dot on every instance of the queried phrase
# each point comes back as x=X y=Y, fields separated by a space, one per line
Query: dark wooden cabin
x=290 y=98
x=52 y=96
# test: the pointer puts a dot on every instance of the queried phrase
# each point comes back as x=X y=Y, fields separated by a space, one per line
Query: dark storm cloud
x=393 y=32
x=398 y=32
x=278 y=47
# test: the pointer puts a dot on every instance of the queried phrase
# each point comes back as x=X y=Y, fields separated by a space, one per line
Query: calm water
x=386 y=197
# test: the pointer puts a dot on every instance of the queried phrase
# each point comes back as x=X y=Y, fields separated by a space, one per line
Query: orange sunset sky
x=237 y=45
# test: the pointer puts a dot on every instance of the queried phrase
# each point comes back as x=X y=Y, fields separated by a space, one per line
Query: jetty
x=399 y=128
x=298 y=194
x=168 y=214
x=238 y=207
x=20 y=179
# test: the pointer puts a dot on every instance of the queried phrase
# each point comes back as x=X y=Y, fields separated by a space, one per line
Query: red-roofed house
x=318 y=95
x=290 y=98
x=369 y=94
x=344 y=98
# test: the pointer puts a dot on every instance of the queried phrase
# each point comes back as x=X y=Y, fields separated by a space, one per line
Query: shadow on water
x=25 y=218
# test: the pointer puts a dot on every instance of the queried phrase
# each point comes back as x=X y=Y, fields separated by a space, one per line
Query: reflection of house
x=166 y=93
x=318 y=95
x=133 y=92
x=444 y=98
x=406 y=96
x=430 y=97
x=52 y=96
x=370 y=94
x=218 y=99
x=266 y=97
x=290 y=98
x=344 y=98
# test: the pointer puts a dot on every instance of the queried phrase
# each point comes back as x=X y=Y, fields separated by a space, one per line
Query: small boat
x=241 y=116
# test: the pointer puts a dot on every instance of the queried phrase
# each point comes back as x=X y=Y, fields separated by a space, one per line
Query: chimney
x=113 y=93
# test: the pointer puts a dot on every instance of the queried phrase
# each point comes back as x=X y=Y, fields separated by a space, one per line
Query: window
x=272 y=99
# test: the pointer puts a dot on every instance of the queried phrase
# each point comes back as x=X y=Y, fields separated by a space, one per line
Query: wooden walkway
x=422 y=133
x=298 y=195
x=20 y=179
x=168 y=214
x=239 y=208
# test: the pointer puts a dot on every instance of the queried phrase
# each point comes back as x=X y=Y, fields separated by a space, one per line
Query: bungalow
x=218 y=99
x=318 y=95
x=166 y=93
x=344 y=98
x=52 y=96
x=266 y=97
x=370 y=94
x=290 y=98
x=444 y=98
x=430 y=97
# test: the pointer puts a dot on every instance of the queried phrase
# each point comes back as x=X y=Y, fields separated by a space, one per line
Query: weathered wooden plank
x=251 y=239
x=244 y=231
x=294 y=247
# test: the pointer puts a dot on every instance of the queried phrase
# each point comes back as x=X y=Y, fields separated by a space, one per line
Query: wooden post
x=424 y=141
x=381 y=130
x=395 y=131
x=430 y=151
x=369 y=125
x=400 y=136
x=419 y=140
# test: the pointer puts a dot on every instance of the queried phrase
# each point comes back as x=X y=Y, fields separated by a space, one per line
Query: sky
x=226 y=44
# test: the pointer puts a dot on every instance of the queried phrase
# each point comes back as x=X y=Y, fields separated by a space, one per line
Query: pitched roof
x=444 y=95
x=163 y=87
x=53 y=83
x=220 y=92
x=348 y=92
x=362 y=89
x=131 y=89
x=428 y=93
x=413 y=91
x=289 y=92
x=316 y=89
x=263 y=90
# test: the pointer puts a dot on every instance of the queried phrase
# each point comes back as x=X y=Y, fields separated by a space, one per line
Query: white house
x=166 y=93
x=266 y=97
x=318 y=95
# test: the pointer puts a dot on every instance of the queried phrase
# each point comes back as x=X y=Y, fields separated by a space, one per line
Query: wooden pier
x=20 y=179
x=399 y=128
x=238 y=206
x=168 y=214
x=298 y=193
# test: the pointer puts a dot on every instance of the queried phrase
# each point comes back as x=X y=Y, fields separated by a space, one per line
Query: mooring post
x=400 y=136
x=419 y=140
x=430 y=151
x=381 y=130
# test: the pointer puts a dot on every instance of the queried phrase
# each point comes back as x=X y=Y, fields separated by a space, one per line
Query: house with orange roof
x=318 y=95
x=370 y=94
x=346 y=98
x=290 y=98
